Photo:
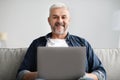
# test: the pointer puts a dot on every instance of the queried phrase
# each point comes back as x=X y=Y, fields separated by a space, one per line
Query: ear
x=49 y=20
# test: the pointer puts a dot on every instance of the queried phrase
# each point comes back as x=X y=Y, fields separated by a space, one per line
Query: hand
x=93 y=76
x=30 y=76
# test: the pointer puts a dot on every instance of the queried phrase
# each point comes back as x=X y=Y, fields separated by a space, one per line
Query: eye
x=64 y=17
x=55 y=17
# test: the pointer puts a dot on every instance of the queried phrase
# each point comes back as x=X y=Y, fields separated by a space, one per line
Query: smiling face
x=59 y=20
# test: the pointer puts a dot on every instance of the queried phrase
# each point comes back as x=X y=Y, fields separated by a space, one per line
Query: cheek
x=53 y=22
x=66 y=22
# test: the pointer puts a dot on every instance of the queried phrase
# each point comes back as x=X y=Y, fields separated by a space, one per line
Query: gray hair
x=58 y=5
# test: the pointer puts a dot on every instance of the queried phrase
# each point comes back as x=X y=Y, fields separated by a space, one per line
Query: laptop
x=61 y=63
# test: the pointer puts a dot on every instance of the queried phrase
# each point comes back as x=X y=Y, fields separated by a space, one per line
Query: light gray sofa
x=10 y=59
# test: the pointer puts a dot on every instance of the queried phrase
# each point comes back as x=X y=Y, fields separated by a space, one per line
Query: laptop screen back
x=61 y=63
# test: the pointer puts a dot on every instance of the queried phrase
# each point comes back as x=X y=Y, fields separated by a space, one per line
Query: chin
x=60 y=33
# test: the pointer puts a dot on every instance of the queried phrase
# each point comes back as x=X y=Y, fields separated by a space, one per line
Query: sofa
x=11 y=58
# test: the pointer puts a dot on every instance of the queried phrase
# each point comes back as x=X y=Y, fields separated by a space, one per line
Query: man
x=59 y=19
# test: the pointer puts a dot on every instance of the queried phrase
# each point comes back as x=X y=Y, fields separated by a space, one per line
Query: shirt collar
x=49 y=35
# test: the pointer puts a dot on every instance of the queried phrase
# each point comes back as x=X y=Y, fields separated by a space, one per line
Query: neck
x=59 y=36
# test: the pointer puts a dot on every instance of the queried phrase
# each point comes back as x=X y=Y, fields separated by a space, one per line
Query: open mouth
x=58 y=24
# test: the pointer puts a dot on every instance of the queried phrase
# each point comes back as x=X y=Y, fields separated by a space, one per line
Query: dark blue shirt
x=92 y=61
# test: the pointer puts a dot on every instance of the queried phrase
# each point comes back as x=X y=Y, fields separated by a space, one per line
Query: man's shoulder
x=76 y=37
x=43 y=37
x=40 y=41
x=79 y=39
x=40 y=38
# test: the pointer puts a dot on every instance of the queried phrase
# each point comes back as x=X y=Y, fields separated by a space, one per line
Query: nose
x=60 y=19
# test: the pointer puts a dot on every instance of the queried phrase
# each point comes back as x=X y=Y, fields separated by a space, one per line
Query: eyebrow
x=54 y=15
x=57 y=15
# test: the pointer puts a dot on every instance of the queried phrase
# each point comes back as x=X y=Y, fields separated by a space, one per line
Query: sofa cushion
x=111 y=61
x=10 y=60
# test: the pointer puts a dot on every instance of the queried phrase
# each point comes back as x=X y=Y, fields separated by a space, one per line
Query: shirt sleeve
x=95 y=66
x=99 y=74
x=29 y=62
x=21 y=74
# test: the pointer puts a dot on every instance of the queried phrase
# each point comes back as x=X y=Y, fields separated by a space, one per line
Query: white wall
x=25 y=20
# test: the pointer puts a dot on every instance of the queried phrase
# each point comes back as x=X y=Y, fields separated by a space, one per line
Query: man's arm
x=30 y=76
x=92 y=76
x=26 y=75
x=96 y=69
x=96 y=75
x=29 y=62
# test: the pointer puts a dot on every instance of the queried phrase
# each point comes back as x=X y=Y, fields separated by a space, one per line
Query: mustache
x=59 y=24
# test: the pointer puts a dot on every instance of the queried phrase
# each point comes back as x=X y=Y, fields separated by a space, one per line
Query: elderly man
x=59 y=19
